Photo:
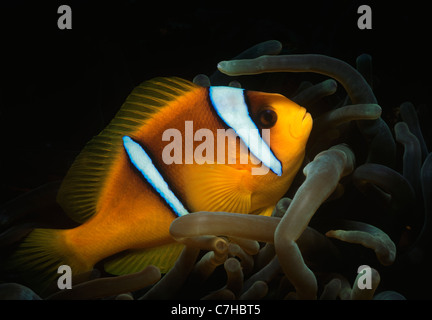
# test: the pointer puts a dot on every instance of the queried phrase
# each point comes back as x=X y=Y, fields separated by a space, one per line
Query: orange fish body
x=184 y=132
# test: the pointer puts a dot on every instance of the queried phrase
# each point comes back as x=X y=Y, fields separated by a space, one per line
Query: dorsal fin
x=85 y=179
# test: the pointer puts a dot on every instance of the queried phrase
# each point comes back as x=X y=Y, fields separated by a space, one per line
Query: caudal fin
x=36 y=261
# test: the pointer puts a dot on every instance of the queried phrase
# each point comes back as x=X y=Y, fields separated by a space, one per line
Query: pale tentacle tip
x=222 y=65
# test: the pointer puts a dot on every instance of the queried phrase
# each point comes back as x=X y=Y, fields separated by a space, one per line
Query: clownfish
x=173 y=148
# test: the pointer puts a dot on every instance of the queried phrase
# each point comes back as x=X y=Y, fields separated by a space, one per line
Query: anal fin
x=265 y=211
x=131 y=261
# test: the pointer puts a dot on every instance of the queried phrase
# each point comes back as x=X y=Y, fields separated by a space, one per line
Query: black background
x=61 y=87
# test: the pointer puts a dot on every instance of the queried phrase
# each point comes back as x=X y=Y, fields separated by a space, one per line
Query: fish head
x=288 y=123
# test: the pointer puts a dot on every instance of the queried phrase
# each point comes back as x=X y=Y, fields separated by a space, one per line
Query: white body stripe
x=230 y=104
x=144 y=164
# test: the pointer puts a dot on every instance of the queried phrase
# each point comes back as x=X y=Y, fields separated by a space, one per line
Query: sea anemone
x=347 y=208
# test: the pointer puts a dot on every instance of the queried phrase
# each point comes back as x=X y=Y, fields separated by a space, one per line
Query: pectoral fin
x=218 y=188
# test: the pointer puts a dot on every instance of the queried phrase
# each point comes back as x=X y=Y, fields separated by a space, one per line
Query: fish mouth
x=306 y=117
x=306 y=114
x=298 y=128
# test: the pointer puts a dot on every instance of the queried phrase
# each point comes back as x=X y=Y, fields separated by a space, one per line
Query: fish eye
x=267 y=118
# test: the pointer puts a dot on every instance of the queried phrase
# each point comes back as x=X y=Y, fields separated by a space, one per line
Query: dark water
x=61 y=87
